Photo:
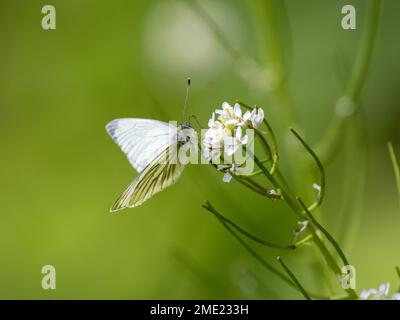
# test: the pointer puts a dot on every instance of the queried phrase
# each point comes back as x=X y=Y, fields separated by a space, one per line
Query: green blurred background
x=60 y=172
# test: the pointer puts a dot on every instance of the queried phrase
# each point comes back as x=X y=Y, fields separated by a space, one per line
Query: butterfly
x=152 y=148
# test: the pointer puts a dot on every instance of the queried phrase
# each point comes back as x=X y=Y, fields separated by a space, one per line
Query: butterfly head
x=186 y=134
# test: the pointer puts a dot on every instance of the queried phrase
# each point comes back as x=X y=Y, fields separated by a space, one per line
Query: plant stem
x=364 y=56
x=254 y=186
x=208 y=207
x=329 y=142
x=325 y=252
x=269 y=267
x=325 y=232
x=289 y=198
x=320 y=197
x=328 y=257
x=317 y=226
x=321 y=246
x=353 y=189
x=303 y=241
x=294 y=279
x=248 y=234
x=253 y=174
x=244 y=182
x=396 y=168
x=257 y=185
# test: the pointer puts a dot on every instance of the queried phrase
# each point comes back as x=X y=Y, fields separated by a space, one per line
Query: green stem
x=248 y=234
x=274 y=155
x=300 y=212
x=294 y=205
x=363 y=59
x=253 y=174
x=321 y=194
x=303 y=241
x=269 y=267
x=272 y=269
x=325 y=232
x=331 y=138
x=289 y=198
x=398 y=275
x=317 y=226
x=324 y=251
x=251 y=184
x=244 y=182
x=294 y=279
x=270 y=193
x=254 y=186
x=396 y=168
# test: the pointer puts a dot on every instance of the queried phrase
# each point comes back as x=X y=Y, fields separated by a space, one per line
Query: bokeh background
x=60 y=172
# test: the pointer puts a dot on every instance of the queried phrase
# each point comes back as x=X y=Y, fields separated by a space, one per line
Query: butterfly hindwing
x=161 y=173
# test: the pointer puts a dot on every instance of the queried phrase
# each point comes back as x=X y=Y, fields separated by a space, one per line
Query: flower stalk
x=222 y=129
x=271 y=268
x=294 y=279
x=396 y=167
x=351 y=98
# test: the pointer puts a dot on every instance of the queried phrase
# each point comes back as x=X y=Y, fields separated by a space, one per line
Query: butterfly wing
x=158 y=175
x=142 y=140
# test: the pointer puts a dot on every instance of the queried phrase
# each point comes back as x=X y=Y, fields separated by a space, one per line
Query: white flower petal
x=364 y=294
x=230 y=145
x=396 y=296
x=227 y=177
x=211 y=122
x=384 y=288
x=247 y=116
x=230 y=150
x=257 y=116
x=237 y=112
x=223 y=166
x=303 y=225
x=231 y=121
x=239 y=133
x=227 y=107
x=317 y=187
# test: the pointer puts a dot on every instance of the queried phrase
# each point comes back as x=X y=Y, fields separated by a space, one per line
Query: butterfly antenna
x=186 y=100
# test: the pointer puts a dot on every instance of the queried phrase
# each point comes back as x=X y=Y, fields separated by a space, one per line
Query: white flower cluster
x=224 y=134
x=381 y=294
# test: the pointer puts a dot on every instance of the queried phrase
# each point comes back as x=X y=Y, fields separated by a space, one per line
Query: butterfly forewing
x=141 y=139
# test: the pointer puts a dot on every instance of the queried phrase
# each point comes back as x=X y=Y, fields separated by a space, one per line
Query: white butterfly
x=151 y=147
